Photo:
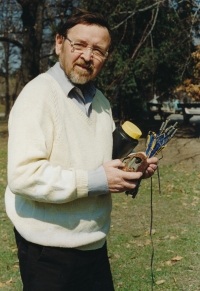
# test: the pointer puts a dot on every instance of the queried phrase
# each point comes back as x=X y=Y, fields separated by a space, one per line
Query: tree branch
x=139 y=10
x=143 y=39
x=47 y=56
x=15 y=42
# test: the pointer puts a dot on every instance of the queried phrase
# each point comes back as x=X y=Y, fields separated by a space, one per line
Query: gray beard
x=78 y=79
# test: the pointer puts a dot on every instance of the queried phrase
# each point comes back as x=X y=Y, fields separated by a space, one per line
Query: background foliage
x=152 y=46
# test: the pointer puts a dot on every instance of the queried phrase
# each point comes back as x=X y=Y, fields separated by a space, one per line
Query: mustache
x=86 y=65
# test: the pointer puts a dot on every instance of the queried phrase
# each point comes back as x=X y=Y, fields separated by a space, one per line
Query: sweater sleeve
x=97 y=182
x=31 y=137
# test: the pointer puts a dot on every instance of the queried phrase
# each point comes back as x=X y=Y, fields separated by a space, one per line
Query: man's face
x=81 y=67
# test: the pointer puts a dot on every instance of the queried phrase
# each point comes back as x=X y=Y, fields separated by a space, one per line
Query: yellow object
x=131 y=129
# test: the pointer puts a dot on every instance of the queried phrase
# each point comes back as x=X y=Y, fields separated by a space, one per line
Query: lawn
x=9 y=271
x=175 y=233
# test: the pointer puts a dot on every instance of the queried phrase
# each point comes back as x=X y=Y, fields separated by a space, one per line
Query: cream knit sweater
x=52 y=146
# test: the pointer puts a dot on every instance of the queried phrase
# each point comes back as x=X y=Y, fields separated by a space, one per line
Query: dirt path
x=184 y=151
x=184 y=148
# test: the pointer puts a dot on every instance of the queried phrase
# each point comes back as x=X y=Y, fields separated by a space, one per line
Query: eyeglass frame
x=72 y=43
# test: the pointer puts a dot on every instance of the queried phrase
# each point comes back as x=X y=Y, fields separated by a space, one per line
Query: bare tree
x=8 y=62
x=27 y=33
x=32 y=21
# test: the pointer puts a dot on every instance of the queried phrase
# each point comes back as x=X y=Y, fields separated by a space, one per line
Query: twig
x=133 y=12
x=143 y=39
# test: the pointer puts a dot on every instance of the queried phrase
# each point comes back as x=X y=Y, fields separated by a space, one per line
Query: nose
x=88 y=53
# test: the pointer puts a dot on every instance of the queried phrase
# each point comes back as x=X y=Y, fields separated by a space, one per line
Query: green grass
x=9 y=270
x=176 y=233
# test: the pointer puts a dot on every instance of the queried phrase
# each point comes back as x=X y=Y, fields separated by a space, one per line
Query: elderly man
x=60 y=172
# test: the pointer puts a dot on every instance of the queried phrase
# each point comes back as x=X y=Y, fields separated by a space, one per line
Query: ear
x=59 y=43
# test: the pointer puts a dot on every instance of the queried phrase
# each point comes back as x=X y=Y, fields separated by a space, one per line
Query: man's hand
x=153 y=164
x=118 y=180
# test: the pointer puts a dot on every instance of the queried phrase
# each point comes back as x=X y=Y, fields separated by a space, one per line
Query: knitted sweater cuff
x=82 y=183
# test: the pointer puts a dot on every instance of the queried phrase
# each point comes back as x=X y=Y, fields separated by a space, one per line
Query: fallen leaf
x=143 y=276
x=160 y=282
x=173 y=237
x=120 y=283
x=176 y=259
x=147 y=242
x=140 y=245
x=9 y=281
x=152 y=231
x=166 y=237
x=196 y=198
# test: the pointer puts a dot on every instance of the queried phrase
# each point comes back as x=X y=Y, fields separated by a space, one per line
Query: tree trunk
x=7 y=93
x=32 y=19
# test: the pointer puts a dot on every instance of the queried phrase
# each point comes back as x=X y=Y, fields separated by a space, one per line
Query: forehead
x=92 y=34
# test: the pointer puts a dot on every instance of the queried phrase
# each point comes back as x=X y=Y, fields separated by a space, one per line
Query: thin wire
x=151 y=226
x=152 y=245
x=155 y=144
x=159 y=186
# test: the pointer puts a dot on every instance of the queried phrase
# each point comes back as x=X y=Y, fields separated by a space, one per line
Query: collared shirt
x=97 y=180
x=82 y=98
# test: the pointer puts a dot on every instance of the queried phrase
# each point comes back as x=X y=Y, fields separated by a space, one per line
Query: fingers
x=152 y=167
x=152 y=160
x=115 y=163
x=118 y=180
x=121 y=181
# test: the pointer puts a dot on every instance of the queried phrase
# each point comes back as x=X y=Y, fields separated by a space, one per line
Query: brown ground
x=183 y=149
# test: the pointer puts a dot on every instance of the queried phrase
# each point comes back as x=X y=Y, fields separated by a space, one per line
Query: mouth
x=84 y=68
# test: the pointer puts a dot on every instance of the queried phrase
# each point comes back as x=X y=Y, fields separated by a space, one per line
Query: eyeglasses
x=81 y=48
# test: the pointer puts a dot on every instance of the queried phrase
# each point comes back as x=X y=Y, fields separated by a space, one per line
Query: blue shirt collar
x=59 y=75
